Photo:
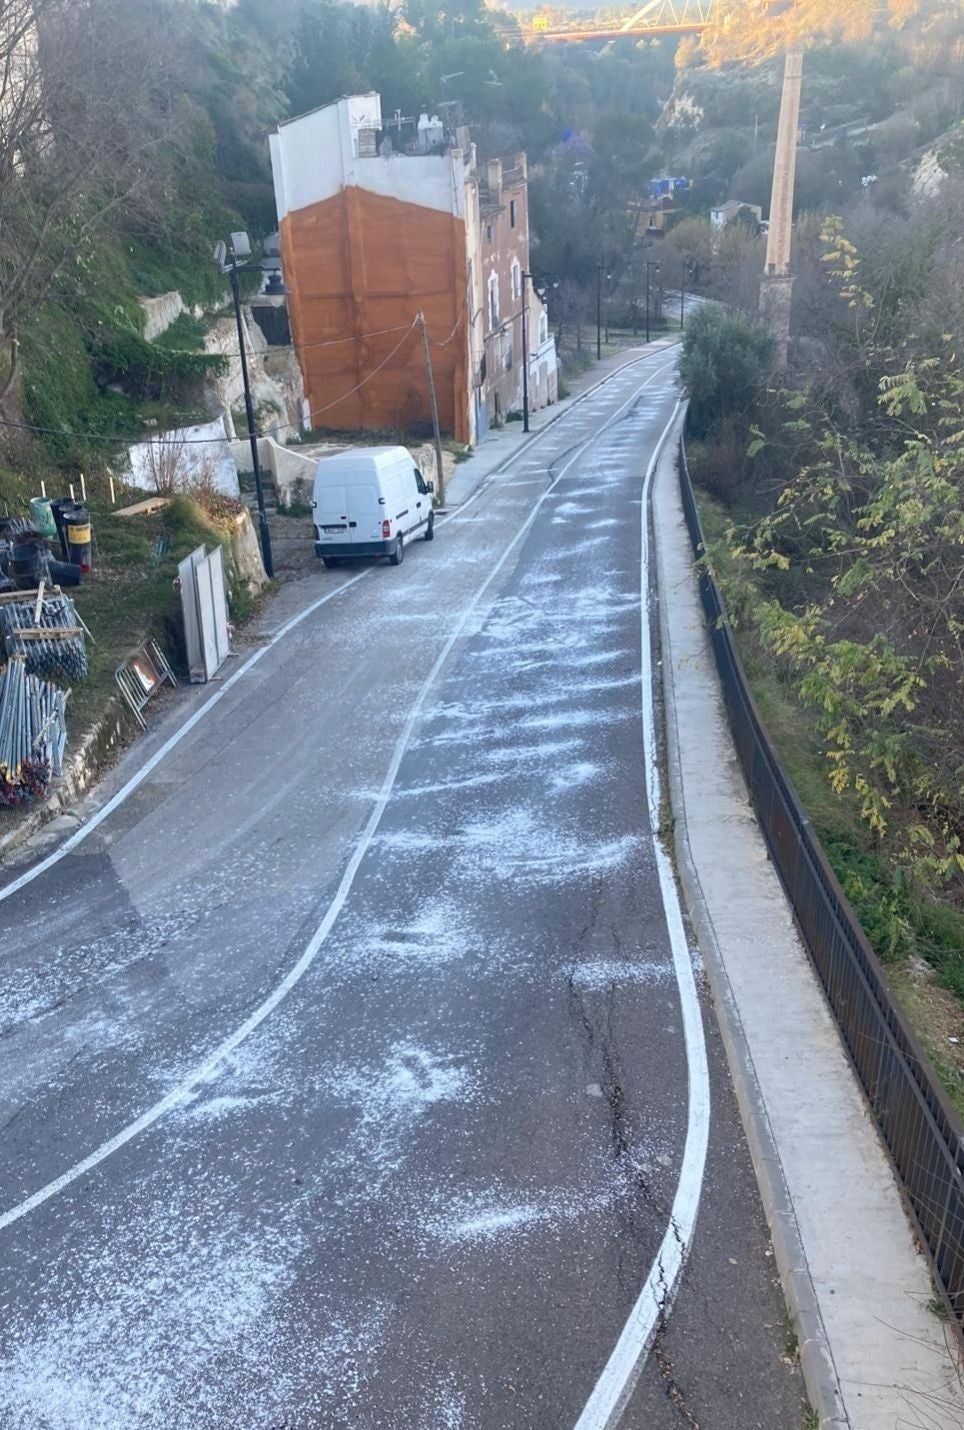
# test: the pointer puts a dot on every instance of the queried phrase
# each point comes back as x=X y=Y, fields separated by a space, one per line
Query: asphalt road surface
x=349 y=1072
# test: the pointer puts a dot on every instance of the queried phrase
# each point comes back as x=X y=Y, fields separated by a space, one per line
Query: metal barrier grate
x=920 y=1128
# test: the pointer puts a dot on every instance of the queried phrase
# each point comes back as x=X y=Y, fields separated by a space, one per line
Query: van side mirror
x=430 y=487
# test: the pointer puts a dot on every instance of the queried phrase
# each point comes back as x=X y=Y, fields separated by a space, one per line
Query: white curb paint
x=615 y=1385
x=210 y=1066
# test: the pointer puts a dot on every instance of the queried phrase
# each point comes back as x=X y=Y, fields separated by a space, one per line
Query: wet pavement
x=342 y=1069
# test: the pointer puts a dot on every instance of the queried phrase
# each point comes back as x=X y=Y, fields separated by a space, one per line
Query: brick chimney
x=494 y=176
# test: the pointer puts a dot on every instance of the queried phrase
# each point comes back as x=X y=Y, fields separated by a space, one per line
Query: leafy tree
x=687 y=253
x=722 y=367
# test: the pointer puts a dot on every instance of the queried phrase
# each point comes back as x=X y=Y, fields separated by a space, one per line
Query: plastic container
x=25 y=566
x=61 y=573
x=77 y=536
x=42 y=516
x=58 y=506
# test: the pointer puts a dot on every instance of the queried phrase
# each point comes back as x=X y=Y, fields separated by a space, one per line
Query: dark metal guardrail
x=920 y=1128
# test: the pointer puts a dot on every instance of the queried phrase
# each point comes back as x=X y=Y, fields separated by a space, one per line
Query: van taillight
x=386 y=528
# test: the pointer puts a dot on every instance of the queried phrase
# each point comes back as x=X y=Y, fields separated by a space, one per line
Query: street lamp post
x=525 y=351
x=241 y=248
x=649 y=265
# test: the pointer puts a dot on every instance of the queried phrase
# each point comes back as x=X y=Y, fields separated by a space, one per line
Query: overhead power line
x=127 y=439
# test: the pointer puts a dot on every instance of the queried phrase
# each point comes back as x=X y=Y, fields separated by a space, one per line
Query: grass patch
x=186 y=334
x=130 y=595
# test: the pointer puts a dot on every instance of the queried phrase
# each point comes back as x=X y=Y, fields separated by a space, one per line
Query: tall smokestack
x=777 y=280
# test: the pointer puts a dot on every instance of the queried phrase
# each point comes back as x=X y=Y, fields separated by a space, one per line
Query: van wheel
x=398 y=555
x=430 y=529
x=329 y=562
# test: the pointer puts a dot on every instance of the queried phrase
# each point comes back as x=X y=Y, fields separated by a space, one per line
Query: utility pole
x=599 y=269
x=430 y=383
x=525 y=351
x=777 y=283
x=264 y=531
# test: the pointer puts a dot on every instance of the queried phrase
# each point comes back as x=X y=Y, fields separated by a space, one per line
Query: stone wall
x=160 y=313
x=246 y=554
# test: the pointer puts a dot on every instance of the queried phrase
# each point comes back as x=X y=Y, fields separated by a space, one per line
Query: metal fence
x=920 y=1128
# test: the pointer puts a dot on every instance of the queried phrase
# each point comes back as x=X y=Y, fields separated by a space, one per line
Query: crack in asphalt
x=674 y=1391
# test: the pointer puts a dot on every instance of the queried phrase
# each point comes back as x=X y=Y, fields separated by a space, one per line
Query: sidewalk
x=874 y=1356
x=500 y=446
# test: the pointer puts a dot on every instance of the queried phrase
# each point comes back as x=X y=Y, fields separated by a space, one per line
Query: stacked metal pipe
x=33 y=733
x=61 y=655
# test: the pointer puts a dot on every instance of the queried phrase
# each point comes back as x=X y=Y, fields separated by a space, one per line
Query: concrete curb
x=816 y=1358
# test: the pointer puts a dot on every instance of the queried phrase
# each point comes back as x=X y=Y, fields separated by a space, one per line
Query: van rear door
x=348 y=513
x=366 y=513
x=331 y=513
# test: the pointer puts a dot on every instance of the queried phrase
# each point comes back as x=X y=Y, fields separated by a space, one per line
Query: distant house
x=727 y=212
x=667 y=186
x=650 y=217
x=380 y=221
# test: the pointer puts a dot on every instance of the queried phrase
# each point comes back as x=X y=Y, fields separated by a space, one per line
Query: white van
x=368 y=501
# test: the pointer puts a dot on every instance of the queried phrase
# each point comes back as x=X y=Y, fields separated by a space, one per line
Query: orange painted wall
x=358 y=263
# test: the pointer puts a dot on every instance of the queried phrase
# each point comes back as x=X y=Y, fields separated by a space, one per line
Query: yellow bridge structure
x=656 y=17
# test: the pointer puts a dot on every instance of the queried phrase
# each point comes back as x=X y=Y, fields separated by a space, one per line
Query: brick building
x=379 y=223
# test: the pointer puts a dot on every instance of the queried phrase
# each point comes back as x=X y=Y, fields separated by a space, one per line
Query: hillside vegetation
x=838 y=490
x=140 y=138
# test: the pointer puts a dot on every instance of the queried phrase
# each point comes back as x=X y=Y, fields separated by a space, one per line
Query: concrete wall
x=315 y=156
x=359 y=267
x=543 y=363
x=367 y=243
x=184 y=458
x=292 y=469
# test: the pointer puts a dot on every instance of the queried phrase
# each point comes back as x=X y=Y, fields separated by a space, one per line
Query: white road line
x=96 y=819
x=150 y=765
x=611 y=1393
x=209 y=1067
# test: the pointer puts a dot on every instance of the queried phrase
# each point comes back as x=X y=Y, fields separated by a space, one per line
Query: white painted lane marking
x=150 y=765
x=141 y=775
x=210 y=1066
x=611 y=1393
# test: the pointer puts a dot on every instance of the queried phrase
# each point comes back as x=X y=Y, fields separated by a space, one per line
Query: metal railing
x=920 y=1128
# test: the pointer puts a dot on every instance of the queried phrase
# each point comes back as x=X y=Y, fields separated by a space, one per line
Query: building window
x=488 y=233
x=516 y=278
x=543 y=329
x=493 y=300
x=512 y=211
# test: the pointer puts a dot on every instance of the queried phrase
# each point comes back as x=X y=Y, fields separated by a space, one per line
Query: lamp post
x=649 y=265
x=686 y=271
x=525 y=350
x=228 y=263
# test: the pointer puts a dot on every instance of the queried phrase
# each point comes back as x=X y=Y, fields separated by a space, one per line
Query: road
x=355 y=1066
